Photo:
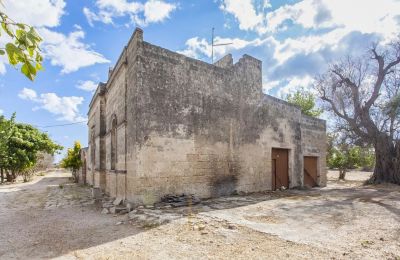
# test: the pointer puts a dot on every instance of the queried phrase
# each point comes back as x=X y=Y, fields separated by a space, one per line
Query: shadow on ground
x=42 y=219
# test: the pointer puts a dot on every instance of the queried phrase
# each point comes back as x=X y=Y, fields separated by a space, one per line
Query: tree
x=20 y=146
x=367 y=158
x=344 y=157
x=306 y=101
x=364 y=95
x=6 y=129
x=22 y=47
x=73 y=160
x=24 y=146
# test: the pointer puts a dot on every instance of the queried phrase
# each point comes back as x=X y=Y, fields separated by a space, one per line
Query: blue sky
x=295 y=39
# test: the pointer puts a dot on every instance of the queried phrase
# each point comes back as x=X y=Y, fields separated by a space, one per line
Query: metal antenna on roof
x=215 y=45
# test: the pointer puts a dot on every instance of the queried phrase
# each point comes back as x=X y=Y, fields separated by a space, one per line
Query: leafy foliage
x=23 y=47
x=20 y=146
x=344 y=156
x=306 y=101
x=73 y=160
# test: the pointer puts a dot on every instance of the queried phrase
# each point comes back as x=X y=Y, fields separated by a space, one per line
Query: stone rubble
x=173 y=207
x=179 y=200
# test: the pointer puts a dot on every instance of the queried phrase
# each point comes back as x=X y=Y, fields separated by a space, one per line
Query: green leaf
x=2 y=52
x=19 y=33
x=31 y=51
x=12 y=52
x=20 y=25
x=6 y=29
x=28 y=70
x=38 y=66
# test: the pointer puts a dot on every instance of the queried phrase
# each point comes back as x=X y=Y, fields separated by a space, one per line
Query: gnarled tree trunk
x=387 y=162
x=342 y=174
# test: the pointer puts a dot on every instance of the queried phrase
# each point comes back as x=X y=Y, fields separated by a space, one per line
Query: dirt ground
x=52 y=218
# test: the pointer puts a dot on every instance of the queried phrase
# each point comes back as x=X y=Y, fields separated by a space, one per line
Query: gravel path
x=53 y=218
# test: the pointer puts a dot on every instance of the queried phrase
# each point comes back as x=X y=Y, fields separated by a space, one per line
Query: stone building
x=82 y=179
x=164 y=123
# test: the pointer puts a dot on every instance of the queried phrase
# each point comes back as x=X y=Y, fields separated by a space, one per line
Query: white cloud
x=378 y=17
x=1 y=111
x=37 y=13
x=27 y=94
x=157 y=11
x=244 y=11
x=92 y=17
x=153 y=11
x=196 y=47
x=370 y=16
x=68 y=51
x=302 y=13
x=66 y=108
x=87 y=85
x=270 y=85
x=305 y=45
x=292 y=84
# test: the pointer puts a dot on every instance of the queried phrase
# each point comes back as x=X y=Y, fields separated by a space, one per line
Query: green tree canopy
x=24 y=145
x=72 y=160
x=20 y=145
x=22 y=47
x=345 y=156
x=306 y=101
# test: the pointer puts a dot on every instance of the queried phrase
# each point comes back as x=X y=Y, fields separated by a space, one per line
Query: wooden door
x=280 y=168
x=310 y=171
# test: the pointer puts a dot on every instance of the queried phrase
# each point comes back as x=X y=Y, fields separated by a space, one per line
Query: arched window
x=113 y=143
x=93 y=151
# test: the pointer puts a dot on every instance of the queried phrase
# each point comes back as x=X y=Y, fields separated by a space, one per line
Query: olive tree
x=364 y=95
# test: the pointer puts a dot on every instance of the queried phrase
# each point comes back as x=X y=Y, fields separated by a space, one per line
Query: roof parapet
x=225 y=62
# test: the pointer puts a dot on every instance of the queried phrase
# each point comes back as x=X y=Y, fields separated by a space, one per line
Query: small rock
x=112 y=210
x=117 y=201
x=107 y=205
x=202 y=227
x=230 y=226
x=105 y=211
x=119 y=223
x=129 y=206
x=124 y=211
x=204 y=232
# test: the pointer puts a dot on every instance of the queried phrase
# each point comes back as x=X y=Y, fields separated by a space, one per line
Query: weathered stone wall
x=96 y=152
x=82 y=173
x=314 y=143
x=116 y=110
x=191 y=127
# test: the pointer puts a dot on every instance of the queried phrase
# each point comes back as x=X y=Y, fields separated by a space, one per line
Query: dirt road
x=52 y=217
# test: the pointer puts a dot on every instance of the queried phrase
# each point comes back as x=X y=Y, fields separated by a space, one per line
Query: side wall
x=314 y=143
x=116 y=110
x=95 y=175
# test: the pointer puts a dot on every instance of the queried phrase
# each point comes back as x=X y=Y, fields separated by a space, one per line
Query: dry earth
x=51 y=217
